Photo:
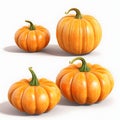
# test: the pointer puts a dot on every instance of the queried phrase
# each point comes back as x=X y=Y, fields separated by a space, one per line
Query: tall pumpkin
x=78 y=34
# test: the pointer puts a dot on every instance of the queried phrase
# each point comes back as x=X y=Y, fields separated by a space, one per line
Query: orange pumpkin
x=78 y=34
x=34 y=96
x=32 y=38
x=85 y=83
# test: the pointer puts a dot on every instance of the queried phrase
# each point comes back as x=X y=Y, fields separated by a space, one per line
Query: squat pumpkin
x=32 y=38
x=34 y=96
x=85 y=83
x=78 y=34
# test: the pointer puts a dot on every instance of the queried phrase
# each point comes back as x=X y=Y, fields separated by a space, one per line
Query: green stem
x=34 y=81
x=78 y=13
x=32 y=27
x=84 y=67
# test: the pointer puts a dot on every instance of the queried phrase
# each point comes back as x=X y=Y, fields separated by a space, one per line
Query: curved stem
x=34 y=81
x=32 y=27
x=84 y=67
x=78 y=13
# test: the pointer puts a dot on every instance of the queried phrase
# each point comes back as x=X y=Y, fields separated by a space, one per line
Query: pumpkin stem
x=32 y=27
x=34 y=81
x=78 y=13
x=84 y=67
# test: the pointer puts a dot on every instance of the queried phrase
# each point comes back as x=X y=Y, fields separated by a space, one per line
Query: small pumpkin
x=85 y=83
x=32 y=38
x=34 y=96
x=78 y=34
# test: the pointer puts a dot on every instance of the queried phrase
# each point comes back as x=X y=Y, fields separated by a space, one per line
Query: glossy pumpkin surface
x=85 y=83
x=34 y=96
x=32 y=38
x=78 y=34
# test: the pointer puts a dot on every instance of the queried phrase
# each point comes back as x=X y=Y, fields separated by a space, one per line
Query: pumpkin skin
x=78 y=34
x=34 y=96
x=32 y=38
x=85 y=83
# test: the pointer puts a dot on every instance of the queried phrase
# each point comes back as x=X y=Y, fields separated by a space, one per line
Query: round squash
x=78 y=34
x=85 y=83
x=32 y=38
x=34 y=96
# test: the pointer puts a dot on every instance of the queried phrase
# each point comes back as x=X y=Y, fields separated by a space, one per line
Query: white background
x=14 y=62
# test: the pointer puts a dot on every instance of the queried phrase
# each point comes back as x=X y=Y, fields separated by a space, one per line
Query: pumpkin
x=34 y=96
x=78 y=34
x=85 y=83
x=32 y=38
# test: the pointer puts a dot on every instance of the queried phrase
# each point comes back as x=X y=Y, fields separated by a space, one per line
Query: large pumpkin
x=32 y=38
x=85 y=83
x=34 y=96
x=78 y=34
